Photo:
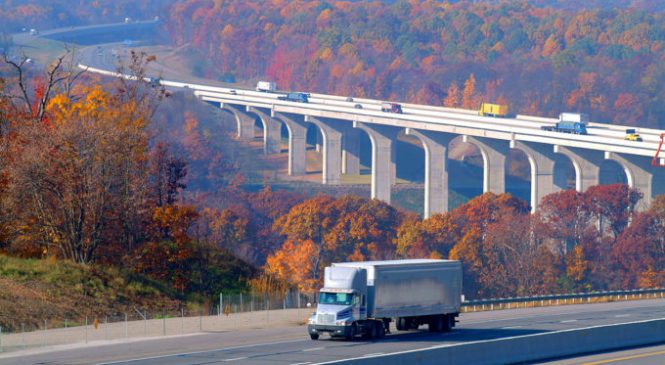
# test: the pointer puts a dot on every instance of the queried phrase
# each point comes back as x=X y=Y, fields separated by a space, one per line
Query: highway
x=291 y=345
x=652 y=355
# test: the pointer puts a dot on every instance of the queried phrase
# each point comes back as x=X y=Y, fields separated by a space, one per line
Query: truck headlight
x=343 y=322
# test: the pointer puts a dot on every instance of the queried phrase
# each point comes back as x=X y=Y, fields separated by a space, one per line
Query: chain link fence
x=230 y=312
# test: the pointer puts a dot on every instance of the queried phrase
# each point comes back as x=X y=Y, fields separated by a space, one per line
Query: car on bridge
x=632 y=135
x=391 y=108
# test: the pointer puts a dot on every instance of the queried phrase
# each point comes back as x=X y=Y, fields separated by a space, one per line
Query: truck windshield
x=335 y=298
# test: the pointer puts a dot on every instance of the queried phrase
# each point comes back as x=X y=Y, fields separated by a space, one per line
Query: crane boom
x=655 y=161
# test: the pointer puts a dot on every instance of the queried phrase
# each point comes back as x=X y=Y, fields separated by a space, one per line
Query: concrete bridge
x=341 y=122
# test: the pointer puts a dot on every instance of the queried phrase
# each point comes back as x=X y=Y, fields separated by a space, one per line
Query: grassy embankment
x=33 y=290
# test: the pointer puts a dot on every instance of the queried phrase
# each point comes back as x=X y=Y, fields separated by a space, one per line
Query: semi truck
x=493 y=110
x=266 y=86
x=574 y=123
x=363 y=298
x=297 y=97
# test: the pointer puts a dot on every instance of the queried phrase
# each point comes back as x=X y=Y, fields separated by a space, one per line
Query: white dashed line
x=373 y=354
x=235 y=358
x=622 y=315
x=302 y=363
x=314 y=349
x=569 y=321
x=511 y=327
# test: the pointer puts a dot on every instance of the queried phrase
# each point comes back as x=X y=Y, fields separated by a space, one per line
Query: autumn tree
x=453 y=96
x=344 y=229
x=469 y=94
x=167 y=172
x=564 y=218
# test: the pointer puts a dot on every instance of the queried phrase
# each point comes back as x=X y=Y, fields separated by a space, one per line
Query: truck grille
x=325 y=318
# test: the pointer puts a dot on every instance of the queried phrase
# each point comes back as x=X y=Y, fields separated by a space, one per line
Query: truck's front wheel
x=314 y=336
x=352 y=332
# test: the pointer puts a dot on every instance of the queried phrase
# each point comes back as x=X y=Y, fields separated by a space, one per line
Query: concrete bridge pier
x=435 y=145
x=541 y=159
x=494 y=154
x=272 y=130
x=641 y=176
x=586 y=163
x=331 y=132
x=297 y=141
x=351 y=151
x=383 y=158
x=244 y=121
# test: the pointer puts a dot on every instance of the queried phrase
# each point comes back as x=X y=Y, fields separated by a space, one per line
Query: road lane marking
x=196 y=352
x=625 y=358
x=302 y=363
x=569 y=321
x=314 y=349
x=622 y=315
x=511 y=327
x=373 y=354
x=235 y=358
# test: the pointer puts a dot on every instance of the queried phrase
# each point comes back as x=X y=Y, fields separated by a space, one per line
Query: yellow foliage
x=577 y=265
x=296 y=262
x=227 y=31
x=348 y=50
x=358 y=68
x=337 y=71
x=323 y=20
x=91 y=107
x=325 y=54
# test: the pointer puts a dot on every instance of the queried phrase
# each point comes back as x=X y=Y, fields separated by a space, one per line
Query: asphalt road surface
x=291 y=345
x=652 y=355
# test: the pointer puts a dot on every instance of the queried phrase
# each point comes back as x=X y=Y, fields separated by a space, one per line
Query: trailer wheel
x=380 y=330
x=440 y=323
x=314 y=336
x=448 y=322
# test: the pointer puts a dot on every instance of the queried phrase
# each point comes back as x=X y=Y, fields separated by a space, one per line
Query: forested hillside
x=45 y=14
x=543 y=57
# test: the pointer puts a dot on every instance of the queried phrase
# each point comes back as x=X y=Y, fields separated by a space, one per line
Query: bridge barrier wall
x=529 y=347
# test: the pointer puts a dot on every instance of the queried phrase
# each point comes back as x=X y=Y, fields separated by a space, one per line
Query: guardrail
x=560 y=299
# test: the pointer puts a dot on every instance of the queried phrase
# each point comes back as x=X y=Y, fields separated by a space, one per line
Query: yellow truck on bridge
x=493 y=110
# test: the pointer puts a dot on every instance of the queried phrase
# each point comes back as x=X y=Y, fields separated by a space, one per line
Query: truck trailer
x=493 y=110
x=362 y=298
x=574 y=123
x=296 y=97
x=266 y=86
